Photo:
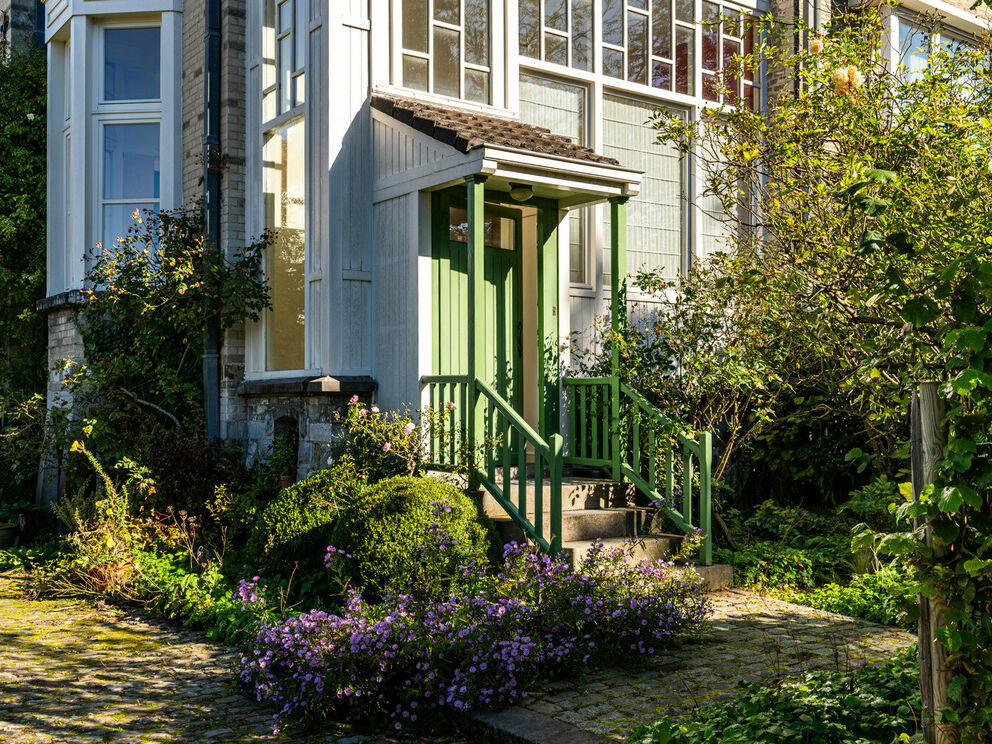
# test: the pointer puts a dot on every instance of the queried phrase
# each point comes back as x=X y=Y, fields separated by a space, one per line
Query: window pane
x=684 y=60
x=477 y=86
x=685 y=11
x=283 y=183
x=269 y=106
x=131 y=66
x=637 y=48
x=300 y=33
x=555 y=49
x=269 y=45
x=711 y=88
x=749 y=47
x=661 y=28
x=447 y=58
x=731 y=69
x=447 y=11
x=530 y=28
x=913 y=49
x=582 y=35
x=415 y=25
x=415 y=71
x=285 y=74
x=661 y=75
x=613 y=22
x=613 y=63
x=642 y=4
x=655 y=221
x=285 y=16
x=131 y=161
x=301 y=88
x=711 y=36
x=477 y=32
x=577 y=220
x=497 y=232
x=556 y=14
x=118 y=219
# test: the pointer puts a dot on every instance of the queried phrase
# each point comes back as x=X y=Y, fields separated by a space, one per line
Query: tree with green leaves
x=23 y=164
x=859 y=264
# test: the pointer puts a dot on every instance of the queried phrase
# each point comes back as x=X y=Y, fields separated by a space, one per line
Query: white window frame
x=257 y=129
x=896 y=17
x=501 y=31
x=599 y=84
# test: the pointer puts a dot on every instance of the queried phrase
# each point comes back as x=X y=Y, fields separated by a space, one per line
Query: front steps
x=595 y=508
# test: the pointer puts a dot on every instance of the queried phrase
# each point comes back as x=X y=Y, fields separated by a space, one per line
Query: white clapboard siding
x=396 y=300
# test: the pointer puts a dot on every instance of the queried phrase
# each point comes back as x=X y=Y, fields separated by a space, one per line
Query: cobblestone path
x=749 y=637
x=70 y=674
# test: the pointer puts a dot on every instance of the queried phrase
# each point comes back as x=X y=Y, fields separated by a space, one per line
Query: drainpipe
x=211 y=208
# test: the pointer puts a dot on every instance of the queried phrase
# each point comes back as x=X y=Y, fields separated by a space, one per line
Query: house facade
x=452 y=182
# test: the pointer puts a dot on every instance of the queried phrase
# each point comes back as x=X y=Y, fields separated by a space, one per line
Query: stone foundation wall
x=21 y=18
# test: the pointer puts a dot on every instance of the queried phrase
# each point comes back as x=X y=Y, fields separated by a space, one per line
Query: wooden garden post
x=475 y=239
x=929 y=440
x=549 y=352
x=618 y=320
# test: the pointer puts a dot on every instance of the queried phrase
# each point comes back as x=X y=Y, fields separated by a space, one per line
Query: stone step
x=576 y=494
x=646 y=548
x=586 y=524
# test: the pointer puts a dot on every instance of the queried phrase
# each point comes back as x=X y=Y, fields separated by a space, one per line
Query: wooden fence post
x=928 y=441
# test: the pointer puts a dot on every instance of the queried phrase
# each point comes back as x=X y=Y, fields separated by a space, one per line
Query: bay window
x=283 y=181
x=917 y=43
x=129 y=128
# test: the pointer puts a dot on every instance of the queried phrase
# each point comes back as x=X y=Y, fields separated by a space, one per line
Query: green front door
x=501 y=364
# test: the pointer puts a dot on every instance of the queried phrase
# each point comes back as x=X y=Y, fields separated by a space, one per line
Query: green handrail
x=611 y=425
x=510 y=427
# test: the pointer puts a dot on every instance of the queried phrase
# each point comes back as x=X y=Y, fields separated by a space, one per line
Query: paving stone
x=750 y=638
x=73 y=675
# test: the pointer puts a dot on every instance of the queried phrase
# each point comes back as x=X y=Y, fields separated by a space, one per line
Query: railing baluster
x=652 y=458
x=584 y=451
x=538 y=493
x=687 y=485
x=604 y=415
x=506 y=456
x=572 y=434
x=636 y=415
x=669 y=473
x=522 y=477
x=594 y=398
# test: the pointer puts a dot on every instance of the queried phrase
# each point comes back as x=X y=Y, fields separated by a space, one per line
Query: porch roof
x=506 y=150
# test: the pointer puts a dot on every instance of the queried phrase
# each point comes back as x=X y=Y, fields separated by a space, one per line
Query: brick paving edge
x=522 y=726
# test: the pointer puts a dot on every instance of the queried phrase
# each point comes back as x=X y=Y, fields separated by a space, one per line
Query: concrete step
x=647 y=548
x=586 y=524
x=576 y=494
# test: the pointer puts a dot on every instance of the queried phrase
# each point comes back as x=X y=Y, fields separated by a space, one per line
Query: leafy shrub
x=483 y=645
x=22 y=438
x=888 y=597
x=411 y=534
x=377 y=445
x=291 y=532
x=197 y=599
x=874 y=705
x=768 y=565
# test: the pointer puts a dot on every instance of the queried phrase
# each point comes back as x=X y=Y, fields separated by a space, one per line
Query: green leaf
x=956 y=687
x=882 y=176
x=919 y=311
x=950 y=499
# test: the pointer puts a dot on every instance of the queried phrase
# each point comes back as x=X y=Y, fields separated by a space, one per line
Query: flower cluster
x=483 y=646
x=249 y=596
x=847 y=79
x=332 y=554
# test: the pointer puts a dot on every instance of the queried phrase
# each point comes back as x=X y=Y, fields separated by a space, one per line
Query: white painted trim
x=960 y=20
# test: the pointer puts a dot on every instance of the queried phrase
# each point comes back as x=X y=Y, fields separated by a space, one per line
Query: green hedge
x=294 y=530
x=410 y=535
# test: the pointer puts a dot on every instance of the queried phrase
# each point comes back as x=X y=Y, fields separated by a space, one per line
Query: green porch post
x=618 y=321
x=549 y=359
x=475 y=415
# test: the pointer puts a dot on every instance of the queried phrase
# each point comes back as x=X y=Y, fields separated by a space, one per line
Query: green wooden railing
x=505 y=450
x=613 y=426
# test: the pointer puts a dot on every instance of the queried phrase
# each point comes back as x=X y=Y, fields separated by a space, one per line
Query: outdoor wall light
x=521 y=192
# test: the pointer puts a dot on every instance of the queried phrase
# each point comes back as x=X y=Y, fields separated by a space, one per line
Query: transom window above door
x=447 y=49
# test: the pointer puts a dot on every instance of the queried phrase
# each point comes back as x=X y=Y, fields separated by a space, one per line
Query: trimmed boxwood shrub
x=410 y=535
x=295 y=528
